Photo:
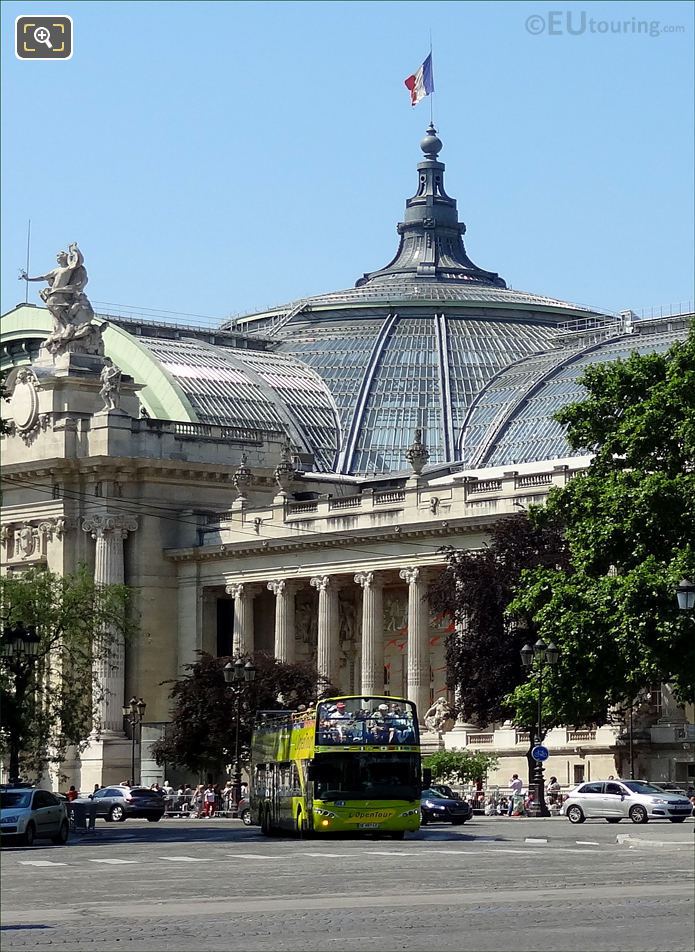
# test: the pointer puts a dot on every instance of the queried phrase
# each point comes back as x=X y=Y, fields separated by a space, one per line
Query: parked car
x=435 y=808
x=27 y=814
x=244 y=811
x=616 y=800
x=116 y=804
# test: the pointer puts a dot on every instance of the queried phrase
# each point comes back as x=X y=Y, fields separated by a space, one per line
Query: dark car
x=434 y=808
x=118 y=803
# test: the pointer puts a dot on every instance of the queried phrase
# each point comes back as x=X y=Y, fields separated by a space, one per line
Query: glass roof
x=269 y=392
x=512 y=422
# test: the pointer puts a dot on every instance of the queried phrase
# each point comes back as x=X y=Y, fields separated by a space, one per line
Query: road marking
x=254 y=856
x=535 y=839
x=570 y=849
x=184 y=859
x=39 y=862
x=114 y=862
x=330 y=855
x=503 y=849
x=587 y=843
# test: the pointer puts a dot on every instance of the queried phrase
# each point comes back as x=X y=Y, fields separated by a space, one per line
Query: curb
x=625 y=839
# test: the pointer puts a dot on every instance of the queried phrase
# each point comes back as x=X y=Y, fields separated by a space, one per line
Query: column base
x=106 y=760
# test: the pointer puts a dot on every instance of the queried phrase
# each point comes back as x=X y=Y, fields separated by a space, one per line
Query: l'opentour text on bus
x=352 y=764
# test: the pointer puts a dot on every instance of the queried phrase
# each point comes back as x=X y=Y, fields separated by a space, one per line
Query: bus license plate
x=369 y=826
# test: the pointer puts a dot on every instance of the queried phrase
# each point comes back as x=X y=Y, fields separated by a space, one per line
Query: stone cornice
x=389 y=534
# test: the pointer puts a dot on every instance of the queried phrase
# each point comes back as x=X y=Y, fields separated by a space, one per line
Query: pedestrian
x=209 y=799
x=96 y=787
x=72 y=794
x=553 y=789
x=197 y=801
x=516 y=787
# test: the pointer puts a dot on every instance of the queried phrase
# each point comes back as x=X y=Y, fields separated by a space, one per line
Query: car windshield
x=434 y=795
x=14 y=798
x=639 y=786
x=343 y=776
x=143 y=792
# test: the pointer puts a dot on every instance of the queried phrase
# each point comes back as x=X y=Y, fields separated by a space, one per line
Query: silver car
x=616 y=800
x=28 y=814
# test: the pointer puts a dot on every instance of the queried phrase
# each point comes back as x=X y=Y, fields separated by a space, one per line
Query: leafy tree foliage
x=628 y=523
x=51 y=703
x=202 y=733
x=459 y=766
x=475 y=590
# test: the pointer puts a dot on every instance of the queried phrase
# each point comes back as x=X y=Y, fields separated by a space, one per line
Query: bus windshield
x=362 y=720
x=351 y=776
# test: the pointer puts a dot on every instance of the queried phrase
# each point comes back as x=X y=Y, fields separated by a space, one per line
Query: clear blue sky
x=212 y=158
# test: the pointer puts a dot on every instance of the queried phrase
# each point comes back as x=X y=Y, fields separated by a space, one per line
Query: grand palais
x=286 y=481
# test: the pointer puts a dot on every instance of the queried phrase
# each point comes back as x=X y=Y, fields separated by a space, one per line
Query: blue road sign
x=540 y=752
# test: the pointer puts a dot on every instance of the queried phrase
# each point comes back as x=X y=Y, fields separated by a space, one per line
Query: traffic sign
x=540 y=752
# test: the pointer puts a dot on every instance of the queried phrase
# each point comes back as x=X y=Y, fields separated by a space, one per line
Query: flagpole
x=26 y=292
x=432 y=95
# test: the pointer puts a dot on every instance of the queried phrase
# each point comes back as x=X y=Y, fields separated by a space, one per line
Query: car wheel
x=423 y=819
x=117 y=814
x=638 y=814
x=246 y=817
x=575 y=814
x=265 y=823
x=152 y=819
x=61 y=837
x=677 y=819
x=613 y=819
x=29 y=835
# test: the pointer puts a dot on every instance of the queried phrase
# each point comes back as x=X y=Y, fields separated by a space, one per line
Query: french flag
x=421 y=84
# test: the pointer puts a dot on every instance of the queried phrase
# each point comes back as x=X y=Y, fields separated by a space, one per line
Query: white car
x=29 y=814
x=616 y=800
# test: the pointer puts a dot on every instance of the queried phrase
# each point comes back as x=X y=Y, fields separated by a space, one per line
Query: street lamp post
x=238 y=674
x=134 y=715
x=539 y=654
x=19 y=649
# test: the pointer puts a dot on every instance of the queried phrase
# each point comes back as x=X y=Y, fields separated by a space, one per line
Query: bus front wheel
x=266 y=828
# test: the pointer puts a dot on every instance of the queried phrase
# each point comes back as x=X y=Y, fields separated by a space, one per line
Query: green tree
x=201 y=736
x=51 y=703
x=628 y=524
x=459 y=766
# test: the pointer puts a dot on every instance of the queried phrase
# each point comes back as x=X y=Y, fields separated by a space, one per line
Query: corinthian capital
x=235 y=589
x=320 y=582
x=412 y=574
x=101 y=526
x=368 y=579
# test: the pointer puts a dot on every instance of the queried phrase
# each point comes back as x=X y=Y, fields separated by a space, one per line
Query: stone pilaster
x=284 y=619
x=109 y=532
x=372 y=633
x=243 y=640
x=418 y=639
x=328 y=636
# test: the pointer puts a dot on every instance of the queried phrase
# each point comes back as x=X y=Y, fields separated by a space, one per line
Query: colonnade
x=328 y=646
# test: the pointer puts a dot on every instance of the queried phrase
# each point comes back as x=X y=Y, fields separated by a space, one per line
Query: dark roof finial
x=431 y=145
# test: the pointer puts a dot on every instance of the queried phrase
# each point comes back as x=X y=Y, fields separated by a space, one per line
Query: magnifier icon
x=43 y=35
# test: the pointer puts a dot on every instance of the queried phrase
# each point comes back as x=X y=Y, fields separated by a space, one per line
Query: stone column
x=328 y=627
x=242 y=639
x=418 y=640
x=284 y=619
x=372 y=633
x=109 y=532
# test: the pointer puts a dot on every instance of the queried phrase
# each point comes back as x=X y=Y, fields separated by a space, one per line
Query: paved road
x=495 y=884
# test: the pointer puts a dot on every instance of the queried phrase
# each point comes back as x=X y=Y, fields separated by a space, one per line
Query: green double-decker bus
x=351 y=765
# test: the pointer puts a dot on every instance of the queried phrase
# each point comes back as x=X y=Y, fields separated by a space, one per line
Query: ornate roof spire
x=431 y=245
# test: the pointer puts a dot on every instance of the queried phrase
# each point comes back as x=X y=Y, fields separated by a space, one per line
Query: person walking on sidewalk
x=209 y=800
x=516 y=787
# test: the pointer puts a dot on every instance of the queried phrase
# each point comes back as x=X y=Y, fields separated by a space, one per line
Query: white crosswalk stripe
x=184 y=859
x=114 y=862
x=39 y=862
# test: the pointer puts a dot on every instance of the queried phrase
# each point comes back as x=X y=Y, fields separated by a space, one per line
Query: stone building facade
x=286 y=482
